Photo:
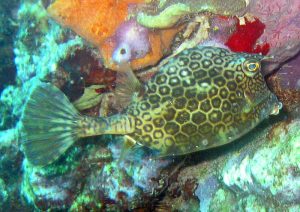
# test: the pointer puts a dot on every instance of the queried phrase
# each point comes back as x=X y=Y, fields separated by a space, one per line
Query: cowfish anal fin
x=129 y=144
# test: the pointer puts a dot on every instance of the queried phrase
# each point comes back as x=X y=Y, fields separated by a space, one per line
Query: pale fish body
x=202 y=98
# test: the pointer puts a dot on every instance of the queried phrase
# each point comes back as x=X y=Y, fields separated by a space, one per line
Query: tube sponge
x=132 y=42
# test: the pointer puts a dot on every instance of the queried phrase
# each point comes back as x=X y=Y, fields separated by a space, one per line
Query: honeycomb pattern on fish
x=200 y=99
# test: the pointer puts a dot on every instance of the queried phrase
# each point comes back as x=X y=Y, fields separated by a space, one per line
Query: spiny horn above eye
x=268 y=58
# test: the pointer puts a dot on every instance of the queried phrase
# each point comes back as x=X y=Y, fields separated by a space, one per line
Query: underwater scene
x=150 y=105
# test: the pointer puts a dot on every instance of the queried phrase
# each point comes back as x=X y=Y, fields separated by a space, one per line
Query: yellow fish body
x=202 y=98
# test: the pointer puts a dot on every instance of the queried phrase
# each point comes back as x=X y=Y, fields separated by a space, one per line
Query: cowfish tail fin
x=50 y=125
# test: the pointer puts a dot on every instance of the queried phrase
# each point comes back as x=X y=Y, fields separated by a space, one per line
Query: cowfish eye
x=250 y=67
x=253 y=66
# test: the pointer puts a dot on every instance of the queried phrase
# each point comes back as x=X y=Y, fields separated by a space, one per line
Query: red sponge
x=245 y=37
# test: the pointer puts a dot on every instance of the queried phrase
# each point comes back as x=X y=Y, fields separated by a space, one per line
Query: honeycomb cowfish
x=201 y=98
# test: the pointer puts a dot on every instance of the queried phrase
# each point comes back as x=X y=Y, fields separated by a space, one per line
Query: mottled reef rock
x=8 y=28
x=257 y=173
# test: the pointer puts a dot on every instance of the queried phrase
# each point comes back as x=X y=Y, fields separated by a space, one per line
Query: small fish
x=203 y=97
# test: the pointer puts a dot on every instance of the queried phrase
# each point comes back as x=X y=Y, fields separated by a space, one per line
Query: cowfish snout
x=270 y=106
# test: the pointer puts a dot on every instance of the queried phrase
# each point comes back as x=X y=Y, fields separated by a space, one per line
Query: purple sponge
x=132 y=42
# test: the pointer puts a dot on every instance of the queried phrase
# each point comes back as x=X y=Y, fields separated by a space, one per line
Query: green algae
x=85 y=200
x=69 y=162
x=3 y=192
x=170 y=11
x=90 y=98
x=222 y=201
x=166 y=18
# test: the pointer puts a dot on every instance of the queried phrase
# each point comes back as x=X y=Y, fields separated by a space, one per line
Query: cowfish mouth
x=271 y=105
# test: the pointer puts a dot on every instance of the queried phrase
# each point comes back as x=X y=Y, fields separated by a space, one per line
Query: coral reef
x=272 y=171
x=289 y=74
x=39 y=48
x=11 y=172
x=4 y=193
x=285 y=82
x=258 y=172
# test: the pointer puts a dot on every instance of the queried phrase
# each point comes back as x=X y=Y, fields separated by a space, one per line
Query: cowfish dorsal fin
x=128 y=87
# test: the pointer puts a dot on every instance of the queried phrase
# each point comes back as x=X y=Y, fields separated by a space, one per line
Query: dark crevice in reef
x=8 y=28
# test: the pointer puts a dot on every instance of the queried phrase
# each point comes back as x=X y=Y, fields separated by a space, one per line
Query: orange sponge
x=97 y=22
x=94 y=20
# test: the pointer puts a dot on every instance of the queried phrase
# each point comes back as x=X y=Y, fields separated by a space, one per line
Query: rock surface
x=254 y=174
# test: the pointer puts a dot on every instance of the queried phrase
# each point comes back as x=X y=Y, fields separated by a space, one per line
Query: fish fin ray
x=128 y=145
x=50 y=125
x=128 y=87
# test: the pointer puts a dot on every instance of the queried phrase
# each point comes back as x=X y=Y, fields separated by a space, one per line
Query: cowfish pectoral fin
x=50 y=125
x=128 y=87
